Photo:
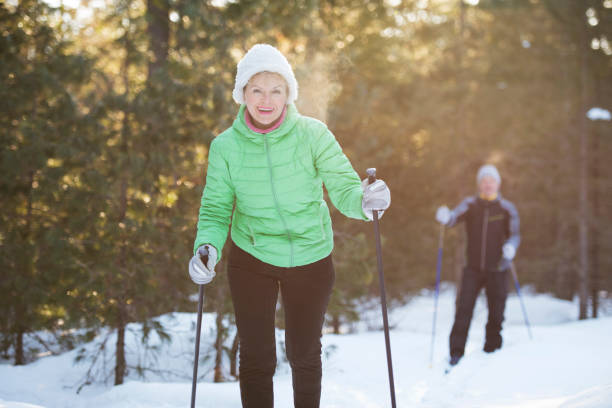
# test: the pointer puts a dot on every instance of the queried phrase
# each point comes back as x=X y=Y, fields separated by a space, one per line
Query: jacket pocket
x=323 y=211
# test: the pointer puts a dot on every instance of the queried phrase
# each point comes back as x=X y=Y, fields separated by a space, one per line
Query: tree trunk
x=122 y=318
x=19 y=354
x=159 y=33
x=583 y=227
x=233 y=356
x=219 y=347
x=28 y=268
x=460 y=133
x=120 y=365
x=595 y=225
x=565 y=283
x=336 y=323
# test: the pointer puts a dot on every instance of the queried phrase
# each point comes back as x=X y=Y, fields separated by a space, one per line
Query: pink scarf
x=247 y=119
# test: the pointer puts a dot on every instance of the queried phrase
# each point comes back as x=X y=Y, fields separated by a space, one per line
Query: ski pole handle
x=371 y=174
x=203 y=254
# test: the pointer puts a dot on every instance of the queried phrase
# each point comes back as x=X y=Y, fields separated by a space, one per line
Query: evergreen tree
x=42 y=154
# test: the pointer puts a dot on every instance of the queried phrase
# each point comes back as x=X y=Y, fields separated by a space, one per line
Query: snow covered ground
x=568 y=364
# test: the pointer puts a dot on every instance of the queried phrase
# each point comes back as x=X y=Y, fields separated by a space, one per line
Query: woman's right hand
x=202 y=265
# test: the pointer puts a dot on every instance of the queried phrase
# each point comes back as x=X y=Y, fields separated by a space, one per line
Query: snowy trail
x=522 y=373
x=568 y=364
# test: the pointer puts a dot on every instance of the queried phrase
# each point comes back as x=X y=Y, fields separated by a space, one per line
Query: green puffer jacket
x=275 y=181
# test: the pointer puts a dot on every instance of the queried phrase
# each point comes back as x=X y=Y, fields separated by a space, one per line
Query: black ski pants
x=496 y=288
x=305 y=292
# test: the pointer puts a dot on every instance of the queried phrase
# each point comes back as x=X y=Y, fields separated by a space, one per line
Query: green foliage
x=355 y=266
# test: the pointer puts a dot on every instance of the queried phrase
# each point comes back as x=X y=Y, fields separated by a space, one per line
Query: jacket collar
x=288 y=124
x=487 y=202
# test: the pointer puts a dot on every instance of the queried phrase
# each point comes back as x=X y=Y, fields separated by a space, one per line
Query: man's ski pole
x=438 y=272
x=197 y=345
x=518 y=291
x=383 y=297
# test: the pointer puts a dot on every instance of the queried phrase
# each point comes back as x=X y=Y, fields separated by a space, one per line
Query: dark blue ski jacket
x=489 y=225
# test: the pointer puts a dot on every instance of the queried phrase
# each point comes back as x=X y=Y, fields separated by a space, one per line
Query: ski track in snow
x=568 y=364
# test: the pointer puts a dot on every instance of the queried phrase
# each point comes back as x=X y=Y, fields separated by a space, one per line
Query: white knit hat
x=260 y=58
x=488 y=170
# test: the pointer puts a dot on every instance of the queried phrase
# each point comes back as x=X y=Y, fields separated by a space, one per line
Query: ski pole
x=197 y=345
x=383 y=297
x=438 y=272
x=518 y=291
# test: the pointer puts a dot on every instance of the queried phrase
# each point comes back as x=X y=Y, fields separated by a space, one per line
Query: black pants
x=305 y=292
x=496 y=288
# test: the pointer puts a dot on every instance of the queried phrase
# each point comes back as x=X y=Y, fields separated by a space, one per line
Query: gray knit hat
x=260 y=58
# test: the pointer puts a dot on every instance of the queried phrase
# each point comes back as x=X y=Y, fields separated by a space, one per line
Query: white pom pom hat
x=260 y=58
x=488 y=170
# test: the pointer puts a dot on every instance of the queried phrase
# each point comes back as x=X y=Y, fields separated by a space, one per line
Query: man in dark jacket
x=492 y=225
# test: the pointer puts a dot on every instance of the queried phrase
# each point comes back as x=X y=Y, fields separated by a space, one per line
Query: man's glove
x=509 y=251
x=443 y=215
x=376 y=196
x=202 y=265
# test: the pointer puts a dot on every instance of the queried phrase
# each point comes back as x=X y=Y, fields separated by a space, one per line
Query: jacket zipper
x=274 y=195
x=483 y=247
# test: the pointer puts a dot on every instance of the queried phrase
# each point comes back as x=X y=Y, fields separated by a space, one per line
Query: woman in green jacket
x=265 y=177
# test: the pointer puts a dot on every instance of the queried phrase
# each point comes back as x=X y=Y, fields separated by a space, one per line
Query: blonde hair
x=276 y=74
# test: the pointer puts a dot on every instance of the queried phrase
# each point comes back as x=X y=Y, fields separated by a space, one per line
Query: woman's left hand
x=376 y=196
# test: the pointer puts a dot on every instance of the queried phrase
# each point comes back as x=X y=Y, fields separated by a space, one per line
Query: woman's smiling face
x=265 y=97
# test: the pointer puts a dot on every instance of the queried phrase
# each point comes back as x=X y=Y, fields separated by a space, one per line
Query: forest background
x=107 y=109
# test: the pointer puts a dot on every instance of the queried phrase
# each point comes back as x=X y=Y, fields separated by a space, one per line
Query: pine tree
x=42 y=153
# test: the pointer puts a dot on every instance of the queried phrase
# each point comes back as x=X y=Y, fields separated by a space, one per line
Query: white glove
x=376 y=196
x=443 y=215
x=509 y=251
x=202 y=274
